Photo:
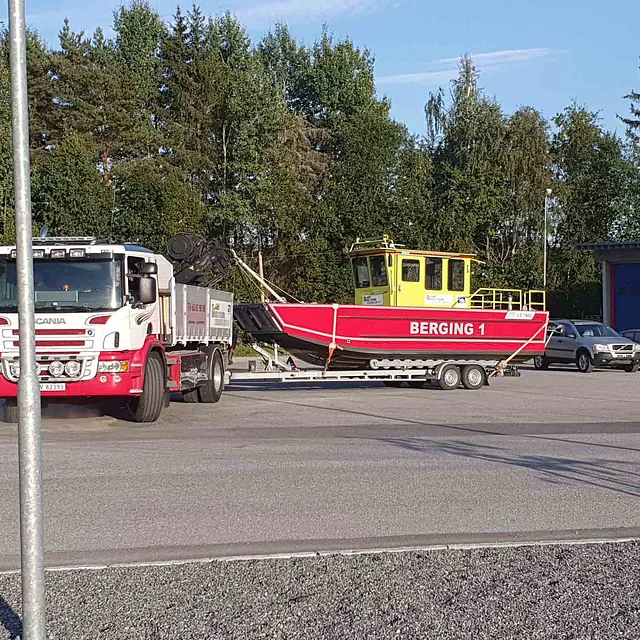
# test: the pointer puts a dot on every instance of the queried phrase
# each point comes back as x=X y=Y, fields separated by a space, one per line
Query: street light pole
x=546 y=214
x=29 y=436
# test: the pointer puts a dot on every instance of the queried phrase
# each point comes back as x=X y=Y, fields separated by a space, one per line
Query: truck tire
x=417 y=384
x=191 y=396
x=211 y=391
x=473 y=376
x=584 y=361
x=10 y=414
x=148 y=406
x=393 y=384
x=449 y=378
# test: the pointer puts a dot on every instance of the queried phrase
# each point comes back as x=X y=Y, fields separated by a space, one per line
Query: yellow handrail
x=508 y=299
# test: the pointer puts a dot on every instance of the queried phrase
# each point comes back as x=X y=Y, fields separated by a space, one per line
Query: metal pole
x=261 y=274
x=29 y=439
x=546 y=211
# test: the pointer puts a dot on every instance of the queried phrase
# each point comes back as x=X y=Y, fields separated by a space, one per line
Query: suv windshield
x=84 y=285
x=596 y=331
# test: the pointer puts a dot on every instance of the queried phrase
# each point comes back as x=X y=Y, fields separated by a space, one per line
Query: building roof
x=610 y=246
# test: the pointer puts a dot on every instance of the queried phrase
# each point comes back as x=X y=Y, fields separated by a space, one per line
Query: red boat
x=411 y=307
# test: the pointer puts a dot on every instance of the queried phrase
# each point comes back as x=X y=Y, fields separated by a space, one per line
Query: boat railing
x=508 y=299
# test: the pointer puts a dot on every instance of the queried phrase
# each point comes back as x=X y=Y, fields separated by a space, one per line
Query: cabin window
x=361 y=272
x=434 y=274
x=411 y=270
x=456 y=275
x=378 y=271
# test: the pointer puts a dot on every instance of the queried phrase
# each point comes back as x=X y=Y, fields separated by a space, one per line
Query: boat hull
x=351 y=336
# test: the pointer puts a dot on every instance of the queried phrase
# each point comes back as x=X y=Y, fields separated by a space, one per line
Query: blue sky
x=543 y=53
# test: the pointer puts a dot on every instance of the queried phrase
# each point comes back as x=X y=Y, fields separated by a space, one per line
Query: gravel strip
x=568 y=592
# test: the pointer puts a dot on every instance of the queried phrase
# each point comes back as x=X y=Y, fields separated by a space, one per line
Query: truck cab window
x=134 y=273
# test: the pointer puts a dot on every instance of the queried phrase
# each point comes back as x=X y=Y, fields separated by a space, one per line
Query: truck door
x=411 y=282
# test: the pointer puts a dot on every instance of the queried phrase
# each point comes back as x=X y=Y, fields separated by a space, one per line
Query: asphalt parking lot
x=275 y=469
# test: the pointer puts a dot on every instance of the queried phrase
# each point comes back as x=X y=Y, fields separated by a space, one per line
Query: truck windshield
x=66 y=285
x=596 y=331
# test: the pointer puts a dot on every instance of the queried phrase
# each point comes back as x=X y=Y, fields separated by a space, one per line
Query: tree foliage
x=287 y=149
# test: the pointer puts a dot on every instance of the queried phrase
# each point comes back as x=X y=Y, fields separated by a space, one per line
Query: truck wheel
x=416 y=384
x=541 y=363
x=473 y=377
x=584 y=362
x=449 y=378
x=10 y=410
x=393 y=384
x=191 y=396
x=212 y=390
x=148 y=406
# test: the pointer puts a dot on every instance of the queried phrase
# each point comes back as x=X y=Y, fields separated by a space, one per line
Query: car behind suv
x=589 y=344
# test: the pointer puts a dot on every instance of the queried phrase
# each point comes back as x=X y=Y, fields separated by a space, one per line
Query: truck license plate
x=53 y=386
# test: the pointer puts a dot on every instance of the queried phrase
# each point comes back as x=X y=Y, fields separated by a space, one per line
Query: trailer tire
x=392 y=384
x=148 y=407
x=10 y=414
x=449 y=378
x=211 y=391
x=473 y=377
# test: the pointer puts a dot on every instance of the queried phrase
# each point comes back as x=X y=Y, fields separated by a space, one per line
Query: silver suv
x=589 y=344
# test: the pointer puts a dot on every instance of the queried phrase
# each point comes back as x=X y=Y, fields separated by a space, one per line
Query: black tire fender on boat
x=449 y=377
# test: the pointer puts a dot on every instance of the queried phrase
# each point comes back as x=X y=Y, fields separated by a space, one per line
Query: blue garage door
x=626 y=296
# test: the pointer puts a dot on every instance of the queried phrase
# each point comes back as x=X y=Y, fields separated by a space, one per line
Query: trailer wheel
x=393 y=384
x=449 y=378
x=212 y=390
x=148 y=406
x=10 y=410
x=473 y=377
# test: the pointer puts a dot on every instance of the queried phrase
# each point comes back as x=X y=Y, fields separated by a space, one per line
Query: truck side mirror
x=148 y=290
x=150 y=269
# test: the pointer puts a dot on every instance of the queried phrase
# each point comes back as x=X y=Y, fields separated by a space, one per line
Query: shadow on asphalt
x=613 y=475
x=10 y=620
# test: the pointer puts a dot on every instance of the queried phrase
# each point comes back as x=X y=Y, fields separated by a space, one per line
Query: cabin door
x=410 y=285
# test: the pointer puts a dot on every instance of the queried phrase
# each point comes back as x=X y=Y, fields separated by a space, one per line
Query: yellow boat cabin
x=388 y=274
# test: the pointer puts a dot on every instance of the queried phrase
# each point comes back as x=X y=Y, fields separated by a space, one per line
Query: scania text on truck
x=114 y=325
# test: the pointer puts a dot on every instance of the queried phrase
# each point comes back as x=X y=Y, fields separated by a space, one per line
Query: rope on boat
x=500 y=367
x=332 y=345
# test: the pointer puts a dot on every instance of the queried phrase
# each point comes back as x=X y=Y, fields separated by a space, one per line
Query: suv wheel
x=541 y=363
x=584 y=361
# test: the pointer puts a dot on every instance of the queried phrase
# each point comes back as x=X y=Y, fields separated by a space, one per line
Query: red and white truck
x=116 y=323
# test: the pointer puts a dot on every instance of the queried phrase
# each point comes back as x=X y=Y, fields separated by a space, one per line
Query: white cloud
x=491 y=61
x=264 y=13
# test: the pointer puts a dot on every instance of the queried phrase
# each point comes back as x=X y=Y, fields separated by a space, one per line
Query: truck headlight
x=72 y=368
x=113 y=366
x=56 y=369
x=14 y=368
x=636 y=347
x=600 y=347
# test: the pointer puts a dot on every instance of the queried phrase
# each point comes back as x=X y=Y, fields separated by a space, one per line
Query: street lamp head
x=548 y=192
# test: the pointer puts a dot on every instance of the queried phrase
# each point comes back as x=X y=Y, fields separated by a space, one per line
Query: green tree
x=69 y=195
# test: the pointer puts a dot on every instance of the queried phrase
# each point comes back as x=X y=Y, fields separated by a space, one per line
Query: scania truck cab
x=113 y=325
